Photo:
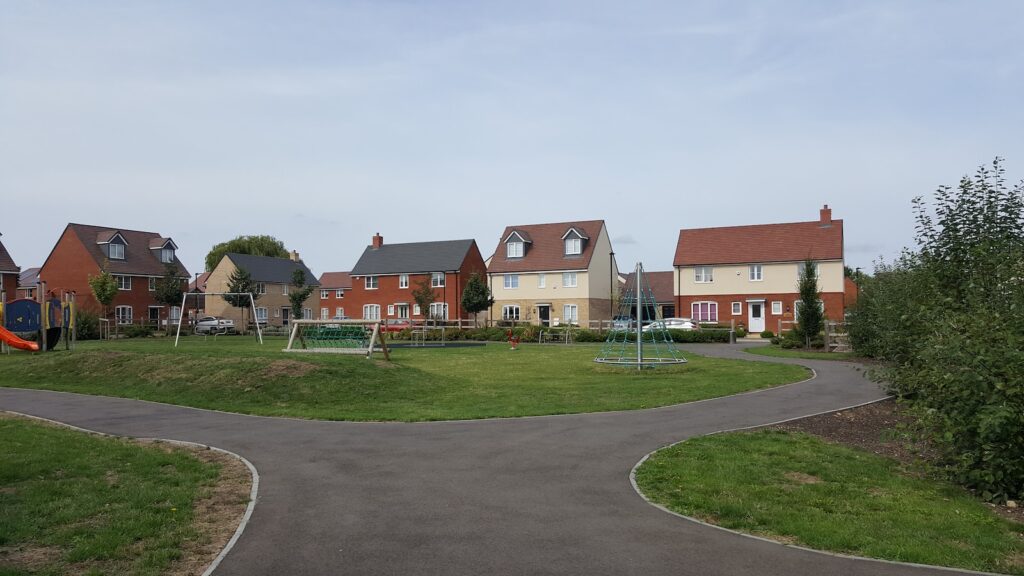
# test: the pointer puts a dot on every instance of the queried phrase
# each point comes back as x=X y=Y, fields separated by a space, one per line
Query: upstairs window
x=167 y=255
x=115 y=251
x=261 y=288
x=152 y=284
x=703 y=274
x=568 y=279
x=514 y=250
x=123 y=282
x=511 y=281
x=371 y=283
x=323 y=296
x=437 y=280
x=403 y=280
x=541 y=280
x=756 y=273
x=339 y=293
x=573 y=246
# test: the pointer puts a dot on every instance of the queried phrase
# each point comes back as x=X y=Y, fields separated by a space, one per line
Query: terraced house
x=333 y=287
x=562 y=273
x=749 y=274
x=273 y=278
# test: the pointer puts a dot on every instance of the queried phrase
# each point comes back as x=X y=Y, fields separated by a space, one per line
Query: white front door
x=755 y=322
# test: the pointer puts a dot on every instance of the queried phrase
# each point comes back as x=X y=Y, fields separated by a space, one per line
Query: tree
x=424 y=296
x=299 y=292
x=477 y=296
x=168 y=289
x=259 y=245
x=241 y=285
x=104 y=289
x=811 y=317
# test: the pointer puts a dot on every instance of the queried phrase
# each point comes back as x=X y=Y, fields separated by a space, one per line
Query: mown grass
x=237 y=375
x=799 y=489
x=778 y=352
x=73 y=503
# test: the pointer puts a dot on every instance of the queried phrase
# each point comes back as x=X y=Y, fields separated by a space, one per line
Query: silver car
x=215 y=325
x=671 y=324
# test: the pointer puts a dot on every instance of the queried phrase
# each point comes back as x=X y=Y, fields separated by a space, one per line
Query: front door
x=756 y=319
x=544 y=313
x=286 y=313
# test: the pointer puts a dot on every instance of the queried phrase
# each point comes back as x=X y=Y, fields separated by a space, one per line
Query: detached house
x=333 y=287
x=137 y=260
x=750 y=273
x=9 y=274
x=273 y=278
x=660 y=284
x=386 y=275
x=564 y=272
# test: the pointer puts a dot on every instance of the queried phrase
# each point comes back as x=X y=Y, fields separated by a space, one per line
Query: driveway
x=543 y=495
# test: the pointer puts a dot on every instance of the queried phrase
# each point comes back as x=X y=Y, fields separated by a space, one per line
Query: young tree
x=299 y=292
x=477 y=296
x=812 y=319
x=260 y=245
x=424 y=296
x=169 y=288
x=104 y=289
x=240 y=282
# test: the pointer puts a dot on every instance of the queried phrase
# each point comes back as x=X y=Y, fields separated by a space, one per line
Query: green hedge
x=530 y=333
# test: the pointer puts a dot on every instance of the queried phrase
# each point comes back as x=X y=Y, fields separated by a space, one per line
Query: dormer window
x=167 y=255
x=573 y=246
x=115 y=251
x=515 y=244
x=514 y=250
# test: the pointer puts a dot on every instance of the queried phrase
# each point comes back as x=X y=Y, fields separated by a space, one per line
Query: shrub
x=767 y=334
x=137 y=331
x=776 y=340
x=87 y=325
x=741 y=332
x=589 y=336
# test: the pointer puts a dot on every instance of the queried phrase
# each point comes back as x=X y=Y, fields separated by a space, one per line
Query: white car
x=671 y=324
x=215 y=325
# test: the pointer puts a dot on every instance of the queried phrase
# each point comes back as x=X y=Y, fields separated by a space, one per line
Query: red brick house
x=333 y=288
x=749 y=274
x=136 y=259
x=28 y=283
x=9 y=273
x=385 y=276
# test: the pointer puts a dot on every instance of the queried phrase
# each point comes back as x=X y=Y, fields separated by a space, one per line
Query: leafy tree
x=477 y=296
x=258 y=245
x=169 y=288
x=299 y=292
x=812 y=319
x=104 y=288
x=241 y=283
x=424 y=296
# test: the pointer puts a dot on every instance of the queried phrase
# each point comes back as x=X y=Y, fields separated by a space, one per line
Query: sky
x=321 y=123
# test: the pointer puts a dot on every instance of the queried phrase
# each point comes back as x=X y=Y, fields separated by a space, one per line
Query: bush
x=137 y=331
x=589 y=336
x=87 y=325
x=741 y=332
x=767 y=334
x=776 y=340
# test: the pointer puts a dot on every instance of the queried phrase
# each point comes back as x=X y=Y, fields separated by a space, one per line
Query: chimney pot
x=378 y=240
x=825 y=215
x=294 y=256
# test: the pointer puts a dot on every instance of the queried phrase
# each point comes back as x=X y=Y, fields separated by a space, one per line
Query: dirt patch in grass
x=801 y=478
x=289 y=368
x=28 y=557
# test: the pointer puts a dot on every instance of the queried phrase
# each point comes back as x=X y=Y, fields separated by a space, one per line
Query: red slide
x=14 y=342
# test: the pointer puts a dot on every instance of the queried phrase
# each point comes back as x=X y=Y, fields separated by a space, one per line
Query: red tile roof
x=139 y=258
x=760 y=243
x=546 y=250
x=201 y=282
x=6 y=262
x=661 y=284
x=335 y=280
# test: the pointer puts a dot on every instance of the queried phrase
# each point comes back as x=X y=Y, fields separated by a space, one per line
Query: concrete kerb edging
x=636 y=488
x=252 y=470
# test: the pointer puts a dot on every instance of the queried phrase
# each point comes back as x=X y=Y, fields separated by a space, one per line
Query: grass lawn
x=798 y=489
x=777 y=352
x=73 y=503
x=238 y=375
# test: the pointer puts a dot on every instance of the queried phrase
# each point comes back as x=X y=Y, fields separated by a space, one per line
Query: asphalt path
x=540 y=495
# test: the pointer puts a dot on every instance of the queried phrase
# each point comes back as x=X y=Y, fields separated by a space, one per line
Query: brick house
x=333 y=287
x=273 y=278
x=661 y=284
x=386 y=275
x=749 y=274
x=137 y=260
x=28 y=283
x=564 y=271
x=9 y=273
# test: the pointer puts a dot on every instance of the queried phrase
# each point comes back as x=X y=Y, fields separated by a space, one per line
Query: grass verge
x=798 y=489
x=237 y=375
x=777 y=352
x=75 y=503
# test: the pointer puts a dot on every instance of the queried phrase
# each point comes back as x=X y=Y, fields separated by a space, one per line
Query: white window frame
x=398 y=311
x=175 y=313
x=511 y=281
x=403 y=280
x=569 y=280
x=284 y=289
x=110 y=251
x=261 y=288
x=391 y=309
x=703 y=274
x=573 y=246
x=416 y=310
x=324 y=313
x=777 y=307
x=167 y=255
x=510 y=312
x=371 y=282
x=124 y=283
x=570 y=314
x=119 y=315
x=696 y=315
x=444 y=310
x=339 y=293
x=542 y=280
x=277 y=312
x=261 y=314
x=152 y=283
x=737 y=308
x=339 y=311
x=324 y=294
x=371 y=311
x=755 y=272
x=514 y=250
x=437 y=279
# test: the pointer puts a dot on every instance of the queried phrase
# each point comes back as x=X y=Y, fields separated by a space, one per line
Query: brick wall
x=833 y=307
x=9 y=282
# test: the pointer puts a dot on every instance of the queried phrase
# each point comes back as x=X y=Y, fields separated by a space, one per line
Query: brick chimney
x=378 y=240
x=294 y=256
x=825 y=215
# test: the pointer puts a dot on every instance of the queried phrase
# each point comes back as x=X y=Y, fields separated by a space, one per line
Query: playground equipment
x=633 y=345
x=338 y=337
x=51 y=319
x=243 y=295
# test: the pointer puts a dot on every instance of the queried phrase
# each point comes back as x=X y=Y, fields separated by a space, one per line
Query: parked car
x=671 y=324
x=215 y=325
x=396 y=325
x=622 y=323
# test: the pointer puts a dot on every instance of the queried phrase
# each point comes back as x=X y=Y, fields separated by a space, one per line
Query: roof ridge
x=834 y=220
x=114 y=229
x=514 y=226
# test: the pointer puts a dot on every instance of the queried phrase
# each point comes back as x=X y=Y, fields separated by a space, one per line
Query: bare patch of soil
x=801 y=478
x=28 y=557
x=289 y=368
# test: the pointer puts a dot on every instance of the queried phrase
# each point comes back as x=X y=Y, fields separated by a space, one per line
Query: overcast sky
x=323 y=122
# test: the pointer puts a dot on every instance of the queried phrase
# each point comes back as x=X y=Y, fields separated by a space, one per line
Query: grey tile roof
x=413 y=258
x=272 y=270
x=28 y=277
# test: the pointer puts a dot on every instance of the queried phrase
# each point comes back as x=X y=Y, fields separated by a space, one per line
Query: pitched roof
x=760 y=243
x=547 y=249
x=199 y=282
x=413 y=258
x=271 y=269
x=335 y=280
x=6 y=262
x=138 y=258
x=660 y=283
x=28 y=277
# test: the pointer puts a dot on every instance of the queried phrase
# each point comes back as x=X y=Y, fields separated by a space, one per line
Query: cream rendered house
x=548 y=274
